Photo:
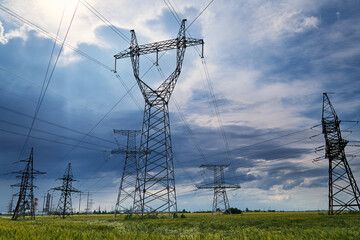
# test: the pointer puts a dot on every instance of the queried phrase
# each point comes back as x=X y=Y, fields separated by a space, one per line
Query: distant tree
x=247 y=210
x=233 y=211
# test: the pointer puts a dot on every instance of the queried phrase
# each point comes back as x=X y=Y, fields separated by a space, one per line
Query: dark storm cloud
x=254 y=144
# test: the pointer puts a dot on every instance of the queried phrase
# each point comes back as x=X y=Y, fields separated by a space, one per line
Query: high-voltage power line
x=155 y=186
x=220 y=199
x=64 y=207
x=128 y=178
x=26 y=200
x=344 y=193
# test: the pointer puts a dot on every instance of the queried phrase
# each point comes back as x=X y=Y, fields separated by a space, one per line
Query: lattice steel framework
x=220 y=199
x=26 y=194
x=64 y=207
x=155 y=187
x=344 y=193
x=128 y=178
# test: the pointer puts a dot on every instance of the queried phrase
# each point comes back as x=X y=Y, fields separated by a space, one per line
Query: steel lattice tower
x=220 y=199
x=26 y=193
x=64 y=207
x=344 y=193
x=155 y=186
x=128 y=178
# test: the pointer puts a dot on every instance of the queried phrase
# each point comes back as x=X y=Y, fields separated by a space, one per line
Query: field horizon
x=249 y=225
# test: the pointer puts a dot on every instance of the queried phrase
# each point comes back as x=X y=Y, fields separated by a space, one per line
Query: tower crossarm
x=69 y=189
x=160 y=46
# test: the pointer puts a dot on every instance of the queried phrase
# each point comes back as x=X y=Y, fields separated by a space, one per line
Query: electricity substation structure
x=128 y=179
x=155 y=185
x=344 y=193
x=220 y=199
x=26 y=199
x=64 y=207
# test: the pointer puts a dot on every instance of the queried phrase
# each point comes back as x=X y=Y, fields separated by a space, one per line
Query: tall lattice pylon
x=220 y=199
x=128 y=179
x=344 y=193
x=25 y=204
x=155 y=187
x=64 y=207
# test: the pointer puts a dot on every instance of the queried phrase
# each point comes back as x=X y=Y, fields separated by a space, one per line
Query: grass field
x=298 y=225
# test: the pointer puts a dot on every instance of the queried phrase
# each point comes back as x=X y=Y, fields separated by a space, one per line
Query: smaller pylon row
x=26 y=202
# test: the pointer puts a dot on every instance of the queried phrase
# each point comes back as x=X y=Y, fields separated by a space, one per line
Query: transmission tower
x=344 y=193
x=128 y=178
x=155 y=185
x=11 y=203
x=26 y=194
x=64 y=207
x=89 y=203
x=220 y=199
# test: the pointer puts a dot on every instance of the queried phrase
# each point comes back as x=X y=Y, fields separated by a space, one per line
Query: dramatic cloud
x=267 y=63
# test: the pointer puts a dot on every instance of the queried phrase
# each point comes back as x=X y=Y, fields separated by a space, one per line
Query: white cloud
x=294 y=22
x=3 y=40
x=21 y=32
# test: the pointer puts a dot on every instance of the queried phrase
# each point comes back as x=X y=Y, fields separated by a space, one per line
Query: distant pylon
x=155 y=186
x=64 y=207
x=89 y=203
x=11 y=203
x=128 y=179
x=220 y=199
x=26 y=194
x=344 y=193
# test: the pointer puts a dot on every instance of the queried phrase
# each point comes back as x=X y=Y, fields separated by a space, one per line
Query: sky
x=267 y=64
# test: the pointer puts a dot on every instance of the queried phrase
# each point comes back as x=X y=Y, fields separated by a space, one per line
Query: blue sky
x=269 y=63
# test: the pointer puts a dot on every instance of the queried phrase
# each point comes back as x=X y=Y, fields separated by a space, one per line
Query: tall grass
x=194 y=226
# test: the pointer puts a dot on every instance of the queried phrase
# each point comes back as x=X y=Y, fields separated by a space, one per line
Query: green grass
x=194 y=226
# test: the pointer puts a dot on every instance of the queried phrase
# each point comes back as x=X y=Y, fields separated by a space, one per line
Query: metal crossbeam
x=344 y=193
x=157 y=47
